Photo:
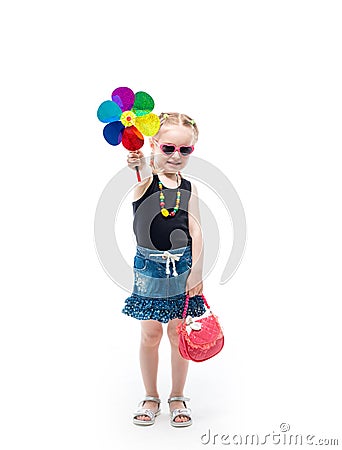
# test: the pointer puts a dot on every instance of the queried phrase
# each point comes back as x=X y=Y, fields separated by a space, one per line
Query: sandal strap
x=144 y=412
x=181 y=399
x=149 y=398
x=180 y=412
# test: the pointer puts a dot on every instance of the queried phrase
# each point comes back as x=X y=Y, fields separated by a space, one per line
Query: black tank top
x=151 y=228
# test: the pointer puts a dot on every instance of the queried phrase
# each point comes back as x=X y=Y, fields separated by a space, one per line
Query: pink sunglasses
x=169 y=149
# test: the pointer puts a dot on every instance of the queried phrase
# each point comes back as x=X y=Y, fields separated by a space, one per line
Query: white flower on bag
x=193 y=324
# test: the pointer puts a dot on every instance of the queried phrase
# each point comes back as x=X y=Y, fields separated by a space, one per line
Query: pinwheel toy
x=128 y=117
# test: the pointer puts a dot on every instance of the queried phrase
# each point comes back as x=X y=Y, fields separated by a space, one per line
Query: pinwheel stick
x=136 y=167
x=138 y=173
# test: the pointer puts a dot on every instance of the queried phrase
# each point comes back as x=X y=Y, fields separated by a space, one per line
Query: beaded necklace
x=163 y=210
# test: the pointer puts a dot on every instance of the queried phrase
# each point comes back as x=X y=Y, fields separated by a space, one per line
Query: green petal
x=143 y=104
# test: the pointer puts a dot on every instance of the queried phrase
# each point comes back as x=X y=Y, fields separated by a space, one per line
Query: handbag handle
x=187 y=304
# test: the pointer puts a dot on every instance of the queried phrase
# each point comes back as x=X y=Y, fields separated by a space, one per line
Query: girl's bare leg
x=179 y=369
x=151 y=333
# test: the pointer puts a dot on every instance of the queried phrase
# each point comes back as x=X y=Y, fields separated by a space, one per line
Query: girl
x=168 y=233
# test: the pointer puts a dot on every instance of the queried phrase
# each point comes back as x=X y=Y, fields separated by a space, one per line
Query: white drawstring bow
x=172 y=257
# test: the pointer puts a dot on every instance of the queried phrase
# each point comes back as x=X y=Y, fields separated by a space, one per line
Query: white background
x=263 y=81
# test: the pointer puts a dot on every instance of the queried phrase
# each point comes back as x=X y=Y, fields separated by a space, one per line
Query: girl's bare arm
x=194 y=282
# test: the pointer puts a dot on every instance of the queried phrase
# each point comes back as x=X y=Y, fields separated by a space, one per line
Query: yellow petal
x=148 y=125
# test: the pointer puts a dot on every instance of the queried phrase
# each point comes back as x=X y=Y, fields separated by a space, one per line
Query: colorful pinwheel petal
x=128 y=117
x=124 y=97
x=108 y=112
x=148 y=125
x=112 y=132
x=132 y=139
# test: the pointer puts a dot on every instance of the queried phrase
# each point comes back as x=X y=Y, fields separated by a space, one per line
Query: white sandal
x=180 y=412
x=146 y=412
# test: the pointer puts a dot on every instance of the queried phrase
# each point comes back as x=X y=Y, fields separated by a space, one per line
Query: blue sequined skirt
x=160 y=285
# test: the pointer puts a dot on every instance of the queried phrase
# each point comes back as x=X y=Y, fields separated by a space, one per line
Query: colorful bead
x=163 y=210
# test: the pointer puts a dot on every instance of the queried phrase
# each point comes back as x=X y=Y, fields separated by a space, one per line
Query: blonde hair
x=174 y=118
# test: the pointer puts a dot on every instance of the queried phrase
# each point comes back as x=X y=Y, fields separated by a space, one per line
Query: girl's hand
x=194 y=285
x=135 y=158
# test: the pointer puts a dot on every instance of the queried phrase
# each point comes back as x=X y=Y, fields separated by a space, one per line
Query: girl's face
x=178 y=135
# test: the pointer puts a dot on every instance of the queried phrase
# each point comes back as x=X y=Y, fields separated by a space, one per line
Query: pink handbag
x=205 y=338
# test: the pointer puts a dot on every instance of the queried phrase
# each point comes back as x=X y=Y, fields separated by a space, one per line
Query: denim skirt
x=159 y=288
